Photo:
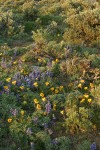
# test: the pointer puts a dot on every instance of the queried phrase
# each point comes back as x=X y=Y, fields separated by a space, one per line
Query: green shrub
x=85 y=145
x=83 y=23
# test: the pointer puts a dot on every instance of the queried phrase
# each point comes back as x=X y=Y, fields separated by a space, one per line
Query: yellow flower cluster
x=22 y=112
x=35 y=84
x=91 y=85
x=54 y=107
x=80 y=84
x=8 y=79
x=89 y=100
x=82 y=81
x=39 y=60
x=47 y=83
x=86 y=95
x=44 y=99
x=61 y=87
x=22 y=87
x=14 y=82
x=57 y=60
x=22 y=71
x=36 y=101
x=9 y=120
x=62 y=112
x=38 y=107
x=6 y=87
x=56 y=91
x=52 y=88
x=15 y=62
x=85 y=88
x=24 y=102
x=1 y=54
x=82 y=100
x=42 y=94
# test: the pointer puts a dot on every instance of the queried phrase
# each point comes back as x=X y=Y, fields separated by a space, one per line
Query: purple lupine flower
x=48 y=107
x=93 y=146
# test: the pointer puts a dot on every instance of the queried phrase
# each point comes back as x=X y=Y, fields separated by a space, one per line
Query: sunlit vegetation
x=49 y=74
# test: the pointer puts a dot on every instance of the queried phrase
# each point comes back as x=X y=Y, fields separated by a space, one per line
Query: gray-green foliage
x=85 y=145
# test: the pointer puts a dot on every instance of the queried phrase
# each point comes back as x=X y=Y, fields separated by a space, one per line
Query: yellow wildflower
x=57 y=60
x=25 y=72
x=8 y=79
x=15 y=62
x=89 y=100
x=35 y=84
x=53 y=62
x=42 y=94
x=46 y=83
x=36 y=101
x=40 y=60
x=82 y=81
x=52 y=89
x=9 y=120
x=22 y=71
x=44 y=61
x=91 y=85
x=80 y=85
x=85 y=88
x=14 y=82
x=22 y=112
x=45 y=113
x=94 y=127
x=86 y=95
x=6 y=87
x=62 y=112
x=56 y=91
x=61 y=87
x=0 y=54
x=23 y=59
x=38 y=106
x=54 y=107
x=24 y=102
x=82 y=100
x=43 y=99
x=22 y=87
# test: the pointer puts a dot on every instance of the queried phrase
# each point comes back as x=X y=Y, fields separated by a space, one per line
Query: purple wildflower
x=93 y=146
